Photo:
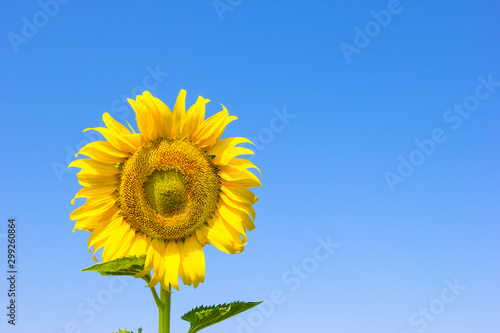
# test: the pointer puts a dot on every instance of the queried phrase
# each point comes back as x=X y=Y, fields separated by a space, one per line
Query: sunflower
x=167 y=191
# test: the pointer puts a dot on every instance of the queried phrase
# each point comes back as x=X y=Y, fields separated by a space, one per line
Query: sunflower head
x=167 y=191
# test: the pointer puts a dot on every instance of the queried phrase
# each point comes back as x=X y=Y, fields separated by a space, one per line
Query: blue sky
x=377 y=134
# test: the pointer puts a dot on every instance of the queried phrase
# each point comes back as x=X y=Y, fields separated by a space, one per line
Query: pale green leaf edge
x=203 y=316
x=130 y=265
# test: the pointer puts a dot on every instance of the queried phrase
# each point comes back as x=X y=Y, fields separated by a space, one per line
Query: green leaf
x=121 y=266
x=204 y=316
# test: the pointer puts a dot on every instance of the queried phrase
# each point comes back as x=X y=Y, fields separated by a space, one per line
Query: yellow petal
x=92 y=166
x=98 y=191
x=153 y=117
x=143 y=119
x=102 y=232
x=183 y=265
x=125 y=143
x=243 y=164
x=194 y=119
x=165 y=116
x=126 y=243
x=96 y=180
x=155 y=122
x=193 y=259
x=236 y=218
x=238 y=192
x=225 y=150
x=158 y=262
x=224 y=238
x=114 y=125
x=92 y=207
x=201 y=235
x=148 y=265
x=212 y=128
x=90 y=222
x=242 y=206
x=139 y=246
x=242 y=177
x=172 y=260
x=179 y=113
x=225 y=157
x=218 y=130
x=157 y=116
x=115 y=241
x=221 y=145
x=232 y=221
x=103 y=151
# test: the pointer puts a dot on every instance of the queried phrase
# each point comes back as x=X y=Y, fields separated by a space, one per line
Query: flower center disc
x=168 y=189
x=166 y=192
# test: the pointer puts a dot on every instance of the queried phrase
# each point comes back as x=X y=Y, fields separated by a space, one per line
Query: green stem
x=158 y=302
x=164 y=310
x=155 y=295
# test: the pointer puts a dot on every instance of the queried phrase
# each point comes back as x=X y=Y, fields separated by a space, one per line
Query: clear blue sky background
x=356 y=116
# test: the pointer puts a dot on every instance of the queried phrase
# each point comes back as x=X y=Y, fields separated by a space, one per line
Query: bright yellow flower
x=167 y=191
